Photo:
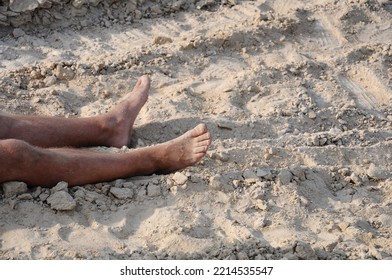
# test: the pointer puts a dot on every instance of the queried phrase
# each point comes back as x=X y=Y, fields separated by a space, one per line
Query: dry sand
x=297 y=95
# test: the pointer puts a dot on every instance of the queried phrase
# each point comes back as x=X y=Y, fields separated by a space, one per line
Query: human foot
x=118 y=122
x=184 y=151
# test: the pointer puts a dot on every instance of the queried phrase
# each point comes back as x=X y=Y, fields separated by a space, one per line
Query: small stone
x=37 y=192
x=242 y=256
x=290 y=256
x=153 y=190
x=121 y=193
x=80 y=193
x=64 y=73
x=13 y=188
x=36 y=99
x=17 y=32
x=129 y=185
x=12 y=203
x=223 y=156
x=91 y=196
x=323 y=141
x=236 y=183
x=297 y=171
x=25 y=196
x=44 y=196
x=304 y=251
x=161 y=40
x=79 y=3
x=376 y=173
x=224 y=124
x=259 y=257
x=119 y=183
x=50 y=80
x=20 y=6
x=106 y=94
x=179 y=178
x=61 y=201
x=285 y=176
x=355 y=179
x=261 y=204
x=313 y=140
x=264 y=173
x=35 y=74
x=61 y=186
x=312 y=115
x=250 y=176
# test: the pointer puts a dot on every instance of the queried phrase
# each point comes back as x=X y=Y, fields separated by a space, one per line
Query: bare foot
x=184 y=151
x=118 y=122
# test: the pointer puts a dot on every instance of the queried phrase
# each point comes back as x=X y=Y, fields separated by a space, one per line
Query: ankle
x=111 y=137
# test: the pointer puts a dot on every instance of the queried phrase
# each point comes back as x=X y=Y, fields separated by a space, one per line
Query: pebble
x=250 y=176
x=304 y=251
x=80 y=193
x=179 y=178
x=376 y=173
x=285 y=176
x=79 y=3
x=261 y=204
x=290 y=256
x=312 y=115
x=61 y=200
x=355 y=179
x=25 y=196
x=264 y=173
x=304 y=201
x=222 y=156
x=64 y=73
x=44 y=196
x=37 y=192
x=50 y=80
x=161 y=40
x=121 y=193
x=61 y=186
x=297 y=171
x=35 y=74
x=119 y=183
x=13 y=188
x=91 y=196
x=242 y=256
x=12 y=203
x=153 y=190
x=17 y=32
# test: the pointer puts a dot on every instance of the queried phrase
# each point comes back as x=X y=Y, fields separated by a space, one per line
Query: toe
x=204 y=143
x=199 y=130
x=200 y=150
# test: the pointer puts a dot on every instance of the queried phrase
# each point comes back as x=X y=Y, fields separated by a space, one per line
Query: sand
x=297 y=96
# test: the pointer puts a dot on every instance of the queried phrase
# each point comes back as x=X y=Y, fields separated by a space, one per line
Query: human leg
x=111 y=129
x=45 y=167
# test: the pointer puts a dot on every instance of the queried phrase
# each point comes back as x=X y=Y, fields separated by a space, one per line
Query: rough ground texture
x=297 y=95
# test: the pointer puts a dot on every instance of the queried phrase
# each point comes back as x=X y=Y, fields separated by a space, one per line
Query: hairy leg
x=21 y=161
x=111 y=129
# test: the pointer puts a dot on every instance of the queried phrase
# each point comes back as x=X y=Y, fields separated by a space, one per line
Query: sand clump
x=296 y=94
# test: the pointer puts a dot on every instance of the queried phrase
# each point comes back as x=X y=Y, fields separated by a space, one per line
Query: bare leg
x=111 y=129
x=45 y=167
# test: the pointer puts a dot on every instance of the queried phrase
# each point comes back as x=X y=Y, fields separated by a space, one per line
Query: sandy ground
x=297 y=95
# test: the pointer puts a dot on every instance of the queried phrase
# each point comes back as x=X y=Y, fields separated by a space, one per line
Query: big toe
x=145 y=81
x=200 y=129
